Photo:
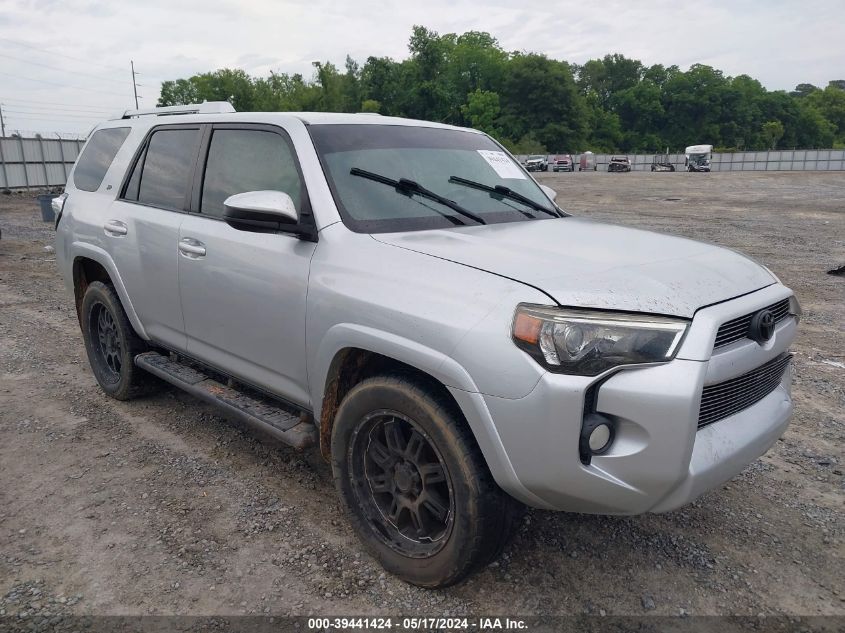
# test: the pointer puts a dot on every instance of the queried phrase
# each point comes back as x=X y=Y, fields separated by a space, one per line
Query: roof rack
x=207 y=107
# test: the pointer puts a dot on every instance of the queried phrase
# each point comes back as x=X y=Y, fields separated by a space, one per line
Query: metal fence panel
x=11 y=150
x=56 y=175
x=71 y=149
x=36 y=162
x=52 y=152
x=31 y=151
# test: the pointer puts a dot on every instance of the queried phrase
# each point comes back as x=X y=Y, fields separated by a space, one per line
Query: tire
x=424 y=502
x=112 y=344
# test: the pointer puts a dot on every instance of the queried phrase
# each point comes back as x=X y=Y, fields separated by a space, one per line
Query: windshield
x=431 y=157
x=699 y=159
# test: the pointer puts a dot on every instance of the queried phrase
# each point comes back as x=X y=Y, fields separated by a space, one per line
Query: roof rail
x=206 y=107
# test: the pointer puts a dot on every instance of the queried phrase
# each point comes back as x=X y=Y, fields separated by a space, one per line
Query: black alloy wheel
x=402 y=484
x=417 y=490
x=108 y=349
x=112 y=344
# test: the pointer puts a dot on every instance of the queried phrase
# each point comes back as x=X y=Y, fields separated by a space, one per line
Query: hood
x=583 y=263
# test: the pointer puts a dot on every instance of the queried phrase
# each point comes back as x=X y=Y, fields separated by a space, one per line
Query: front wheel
x=417 y=489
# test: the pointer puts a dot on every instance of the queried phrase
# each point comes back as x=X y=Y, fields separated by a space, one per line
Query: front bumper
x=659 y=459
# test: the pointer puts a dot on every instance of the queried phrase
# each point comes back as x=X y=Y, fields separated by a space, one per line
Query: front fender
x=441 y=367
x=99 y=255
x=346 y=335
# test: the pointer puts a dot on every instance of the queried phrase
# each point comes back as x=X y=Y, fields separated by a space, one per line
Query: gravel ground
x=159 y=506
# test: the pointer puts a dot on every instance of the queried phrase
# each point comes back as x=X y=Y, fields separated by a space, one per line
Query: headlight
x=587 y=343
x=795 y=308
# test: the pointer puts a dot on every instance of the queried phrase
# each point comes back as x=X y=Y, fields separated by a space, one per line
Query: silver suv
x=404 y=295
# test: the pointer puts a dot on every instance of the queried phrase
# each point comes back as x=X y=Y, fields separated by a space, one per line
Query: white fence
x=779 y=160
x=39 y=162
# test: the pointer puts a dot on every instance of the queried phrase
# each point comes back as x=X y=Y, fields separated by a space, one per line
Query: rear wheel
x=419 y=493
x=112 y=344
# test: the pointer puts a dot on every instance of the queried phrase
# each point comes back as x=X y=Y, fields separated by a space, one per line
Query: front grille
x=726 y=398
x=737 y=329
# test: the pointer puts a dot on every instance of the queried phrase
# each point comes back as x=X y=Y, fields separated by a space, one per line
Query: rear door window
x=241 y=160
x=161 y=175
x=97 y=157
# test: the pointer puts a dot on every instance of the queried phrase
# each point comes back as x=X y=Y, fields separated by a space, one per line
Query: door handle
x=191 y=248
x=115 y=228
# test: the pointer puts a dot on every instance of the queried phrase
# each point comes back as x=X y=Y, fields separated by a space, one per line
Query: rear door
x=243 y=294
x=142 y=228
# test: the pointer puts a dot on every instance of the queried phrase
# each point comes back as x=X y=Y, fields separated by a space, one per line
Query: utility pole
x=2 y=122
x=134 y=85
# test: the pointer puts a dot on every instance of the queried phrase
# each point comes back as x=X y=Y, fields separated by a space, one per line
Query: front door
x=243 y=293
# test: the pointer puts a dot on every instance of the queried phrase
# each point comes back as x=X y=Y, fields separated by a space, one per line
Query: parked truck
x=698 y=157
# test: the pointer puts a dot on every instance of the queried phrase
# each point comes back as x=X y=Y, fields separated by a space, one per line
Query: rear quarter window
x=161 y=174
x=97 y=157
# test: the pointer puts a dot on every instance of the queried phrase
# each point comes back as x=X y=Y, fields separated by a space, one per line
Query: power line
x=34 y=117
x=47 y=105
x=53 y=83
x=64 y=70
x=53 y=52
x=75 y=116
x=54 y=109
x=115 y=69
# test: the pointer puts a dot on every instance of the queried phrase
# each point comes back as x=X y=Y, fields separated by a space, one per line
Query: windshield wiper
x=408 y=187
x=505 y=192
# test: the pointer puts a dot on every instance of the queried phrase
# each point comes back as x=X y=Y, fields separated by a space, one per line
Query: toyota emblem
x=762 y=326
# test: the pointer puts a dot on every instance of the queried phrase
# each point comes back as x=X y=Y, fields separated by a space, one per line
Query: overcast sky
x=64 y=64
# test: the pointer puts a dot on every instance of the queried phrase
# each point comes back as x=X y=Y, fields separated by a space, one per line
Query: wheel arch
x=350 y=354
x=91 y=263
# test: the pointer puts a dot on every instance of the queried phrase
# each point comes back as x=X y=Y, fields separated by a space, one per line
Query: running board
x=258 y=412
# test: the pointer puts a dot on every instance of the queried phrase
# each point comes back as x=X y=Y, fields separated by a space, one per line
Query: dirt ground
x=159 y=506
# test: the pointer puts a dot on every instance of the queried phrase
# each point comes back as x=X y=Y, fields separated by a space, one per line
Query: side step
x=261 y=413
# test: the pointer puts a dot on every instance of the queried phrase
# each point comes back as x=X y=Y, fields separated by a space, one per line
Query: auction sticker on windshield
x=503 y=165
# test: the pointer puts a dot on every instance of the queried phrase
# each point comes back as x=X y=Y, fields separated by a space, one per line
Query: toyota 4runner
x=405 y=296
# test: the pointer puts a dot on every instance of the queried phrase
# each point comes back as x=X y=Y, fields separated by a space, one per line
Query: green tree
x=539 y=96
x=830 y=104
x=609 y=75
x=351 y=86
x=475 y=62
x=481 y=111
x=526 y=145
x=429 y=97
x=381 y=82
x=772 y=133
x=370 y=105
x=528 y=100
x=802 y=90
x=604 y=128
x=178 y=92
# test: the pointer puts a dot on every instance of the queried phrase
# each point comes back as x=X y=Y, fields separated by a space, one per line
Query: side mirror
x=550 y=193
x=261 y=212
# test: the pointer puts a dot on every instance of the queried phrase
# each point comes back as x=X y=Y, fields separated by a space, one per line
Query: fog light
x=599 y=438
x=597 y=434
